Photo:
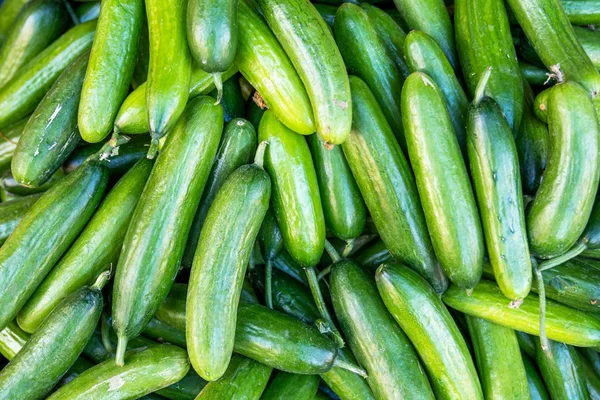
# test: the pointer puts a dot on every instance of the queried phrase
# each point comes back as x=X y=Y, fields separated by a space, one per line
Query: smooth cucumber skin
x=366 y=57
x=423 y=54
x=484 y=40
x=12 y=212
x=155 y=240
x=499 y=360
x=140 y=72
x=537 y=388
x=563 y=323
x=589 y=39
x=9 y=9
x=380 y=346
x=296 y=198
x=387 y=185
x=269 y=237
x=36 y=26
x=564 y=200
x=51 y=132
x=111 y=66
x=245 y=379
x=8 y=142
x=170 y=65
x=20 y=96
x=53 y=348
x=454 y=227
x=296 y=24
x=581 y=12
x=237 y=147
x=45 y=233
x=286 y=386
x=146 y=370
x=343 y=207
x=88 y=11
x=430 y=327
x=496 y=179
x=212 y=33
x=97 y=247
x=373 y=256
x=264 y=63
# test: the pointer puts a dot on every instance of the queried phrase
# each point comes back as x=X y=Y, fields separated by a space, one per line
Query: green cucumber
x=12 y=340
x=254 y=112
x=146 y=370
x=296 y=24
x=366 y=57
x=232 y=100
x=285 y=263
x=237 y=147
x=387 y=185
x=140 y=72
x=286 y=386
x=380 y=346
x=96 y=351
x=12 y=212
x=563 y=323
x=533 y=74
x=9 y=183
x=172 y=309
x=415 y=307
x=9 y=137
x=55 y=346
x=154 y=242
x=88 y=11
x=373 y=256
x=20 y=96
x=269 y=237
x=9 y=10
x=540 y=105
x=186 y=389
x=97 y=247
x=455 y=227
x=537 y=389
x=592 y=381
x=589 y=40
x=51 y=133
x=45 y=233
x=111 y=65
x=581 y=12
x=564 y=200
x=164 y=333
x=499 y=360
x=327 y=12
x=38 y=24
x=592 y=357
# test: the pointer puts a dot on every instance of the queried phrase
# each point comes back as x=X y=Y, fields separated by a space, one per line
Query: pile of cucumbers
x=296 y=200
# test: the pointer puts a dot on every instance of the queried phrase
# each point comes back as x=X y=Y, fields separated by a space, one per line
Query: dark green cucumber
x=392 y=365
x=296 y=24
x=97 y=247
x=155 y=240
x=423 y=54
x=12 y=212
x=244 y=379
x=483 y=40
x=533 y=74
x=238 y=145
x=286 y=386
x=36 y=26
x=96 y=351
x=254 y=112
x=20 y=96
x=564 y=200
x=140 y=72
x=232 y=100
x=592 y=357
x=271 y=72
x=172 y=309
x=55 y=346
x=269 y=237
x=9 y=137
x=51 y=133
x=9 y=183
x=296 y=199
x=373 y=256
x=387 y=185
x=45 y=233
x=581 y=12
x=415 y=307
x=226 y=241
x=111 y=65
x=561 y=370
x=9 y=9
x=537 y=389
x=146 y=370
x=440 y=173
x=499 y=360
x=186 y=389
x=592 y=380
x=12 y=340
x=285 y=263
x=589 y=40
x=366 y=57
x=540 y=105
x=563 y=323
x=88 y=11
x=327 y=12
x=164 y=333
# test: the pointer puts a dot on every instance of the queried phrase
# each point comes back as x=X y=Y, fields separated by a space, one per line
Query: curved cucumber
x=12 y=212
x=537 y=389
x=286 y=386
x=9 y=138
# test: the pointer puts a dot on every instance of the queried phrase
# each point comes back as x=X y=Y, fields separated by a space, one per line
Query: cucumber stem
x=121 y=348
x=105 y=334
x=481 y=85
x=313 y=283
x=324 y=273
x=338 y=362
x=335 y=256
x=573 y=252
x=153 y=148
x=101 y=280
x=259 y=157
x=542 y=297
x=217 y=78
x=268 y=283
x=348 y=248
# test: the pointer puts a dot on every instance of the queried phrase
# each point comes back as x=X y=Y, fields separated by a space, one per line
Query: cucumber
x=172 y=309
x=45 y=233
x=96 y=351
x=271 y=72
x=140 y=72
x=536 y=384
x=164 y=333
x=564 y=200
x=9 y=137
x=88 y=11
x=540 y=105
x=169 y=68
x=381 y=347
x=286 y=386
x=51 y=133
x=12 y=212
x=581 y=12
x=592 y=381
x=373 y=256
x=9 y=10
x=423 y=54
x=327 y=12
x=483 y=40
x=589 y=38
x=238 y=145
x=186 y=389
x=499 y=360
x=245 y=379
x=296 y=199
x=269 y=237
x=455 y=227
x=154 y=242
x=9 y=183
x=366 y=57
x=20 y=96
x=415 y=306
x=111 y=65
x=232 y=100
x=533 y=74
x=254 y=112
x=37 y=25
x=55 y=346
x=592 y=357
x=387 y=185
x=147 y=369
x=297 y=25
x=563 y=323
x=285 y=263
x=12 y=340
x=97 y=247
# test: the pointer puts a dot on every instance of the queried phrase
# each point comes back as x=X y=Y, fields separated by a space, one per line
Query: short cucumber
x=232 y=100
x=286 y=386
x=9 y=9
x=12 y=212
x=415 y=307
x=537 y=389
x=8 y=142
x=581 y=12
